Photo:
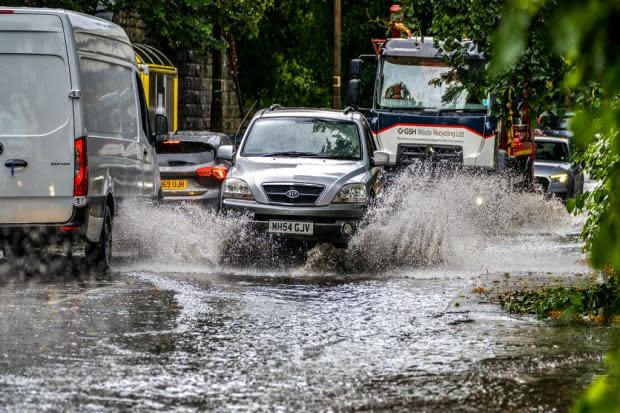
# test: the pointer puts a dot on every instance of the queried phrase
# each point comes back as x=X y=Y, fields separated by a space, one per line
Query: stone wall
x=197 y=87
x=195 y=90
x=230 y=102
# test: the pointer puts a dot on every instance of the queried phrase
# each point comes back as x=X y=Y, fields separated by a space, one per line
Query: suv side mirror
x=161 y=128
x=380 y=158
x=225 y=152
x=355 y=67
x=353 y=92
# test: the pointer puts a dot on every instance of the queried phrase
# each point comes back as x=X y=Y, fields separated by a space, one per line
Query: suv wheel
x=99 y=254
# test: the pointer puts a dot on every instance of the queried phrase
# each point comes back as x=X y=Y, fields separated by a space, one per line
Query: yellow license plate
x=173 y=184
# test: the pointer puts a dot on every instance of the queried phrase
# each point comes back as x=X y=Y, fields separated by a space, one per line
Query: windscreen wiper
x=333 y=157
x=464 y=110
x=289 y=154
x=180 y=163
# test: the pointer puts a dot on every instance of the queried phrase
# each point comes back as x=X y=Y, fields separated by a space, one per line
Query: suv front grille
x=308 y=193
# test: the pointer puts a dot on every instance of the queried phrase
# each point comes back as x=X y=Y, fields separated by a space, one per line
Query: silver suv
x=307 y=174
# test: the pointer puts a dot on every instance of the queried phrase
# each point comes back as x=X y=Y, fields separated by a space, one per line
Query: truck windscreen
x=422 y=84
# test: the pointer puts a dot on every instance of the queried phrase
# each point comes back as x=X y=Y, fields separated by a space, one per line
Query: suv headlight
x=351 y=194
x=237 y=188
x=559 y=178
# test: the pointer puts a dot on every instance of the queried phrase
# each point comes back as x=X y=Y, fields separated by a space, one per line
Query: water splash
x=417 y=223
x=173 y=234
x=420 y=222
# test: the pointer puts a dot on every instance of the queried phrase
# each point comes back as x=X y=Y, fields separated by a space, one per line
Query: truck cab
x=420 y=111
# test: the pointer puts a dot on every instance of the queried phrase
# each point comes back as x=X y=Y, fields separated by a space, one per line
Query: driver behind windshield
x=303 y=137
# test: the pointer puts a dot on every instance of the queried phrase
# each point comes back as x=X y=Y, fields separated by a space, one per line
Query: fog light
x=479 y=201
x=347 y=229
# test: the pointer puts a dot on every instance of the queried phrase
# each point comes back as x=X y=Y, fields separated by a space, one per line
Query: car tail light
x=6 y=11
x=216 y=172
x=69 y=228
x=171 y=142
x=219 y=173
x=80 y=178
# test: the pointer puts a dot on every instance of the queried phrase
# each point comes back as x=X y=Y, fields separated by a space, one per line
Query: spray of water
x=417 y=222
x=173 y=234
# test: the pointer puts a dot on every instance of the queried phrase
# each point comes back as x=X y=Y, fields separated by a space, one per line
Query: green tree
x=582 y=33
x=187 y=24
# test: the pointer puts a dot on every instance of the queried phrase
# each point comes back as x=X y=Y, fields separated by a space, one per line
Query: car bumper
x=552 y=188
x=210 y=198
x=41 y=234
x=331 y=222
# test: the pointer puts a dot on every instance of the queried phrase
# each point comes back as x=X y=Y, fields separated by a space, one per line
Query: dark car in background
x=555 y=172
x=551 y=124
x=189 y=167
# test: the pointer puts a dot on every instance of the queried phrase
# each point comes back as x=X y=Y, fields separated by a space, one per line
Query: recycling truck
x=419 y=111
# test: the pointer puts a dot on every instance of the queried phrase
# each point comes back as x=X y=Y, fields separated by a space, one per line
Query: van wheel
x=15 y=248
x=99 y=254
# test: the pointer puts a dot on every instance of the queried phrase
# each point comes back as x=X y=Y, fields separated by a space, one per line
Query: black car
x=551 y=124
x=189 y=167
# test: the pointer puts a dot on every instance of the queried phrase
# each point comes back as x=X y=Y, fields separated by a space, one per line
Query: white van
x=74 y=129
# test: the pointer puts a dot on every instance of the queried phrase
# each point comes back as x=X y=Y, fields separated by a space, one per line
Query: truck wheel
x=503 y=170
x=99 y=254
x=529 y=175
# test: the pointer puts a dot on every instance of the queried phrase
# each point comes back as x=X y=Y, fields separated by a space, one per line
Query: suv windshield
x=552 y=151
x=303 y=137
x=418 y=84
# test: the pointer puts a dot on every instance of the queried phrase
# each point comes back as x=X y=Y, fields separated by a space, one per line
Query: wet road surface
x=170 y=334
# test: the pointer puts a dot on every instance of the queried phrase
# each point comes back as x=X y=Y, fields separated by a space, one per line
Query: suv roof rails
x=349 y=109
x=275 y=106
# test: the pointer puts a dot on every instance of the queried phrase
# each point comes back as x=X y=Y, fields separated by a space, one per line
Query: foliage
x=188 y=24
x=603 y=396
x=196 y=24
x=598 y=160
x=582 y=32
x=84 y=6
x=290 y=62
x=538 y=70
x=597 y=302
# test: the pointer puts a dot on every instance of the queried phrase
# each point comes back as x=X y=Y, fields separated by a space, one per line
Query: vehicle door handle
x=15 y=164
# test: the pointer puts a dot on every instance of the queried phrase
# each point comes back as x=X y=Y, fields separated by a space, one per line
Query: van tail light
x=80 y=178
x=69 y=228
x=216 y=172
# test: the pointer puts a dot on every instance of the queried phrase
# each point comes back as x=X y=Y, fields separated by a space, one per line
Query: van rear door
x=36 y=121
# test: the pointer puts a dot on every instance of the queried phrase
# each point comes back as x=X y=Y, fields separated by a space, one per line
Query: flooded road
x=176 y=331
